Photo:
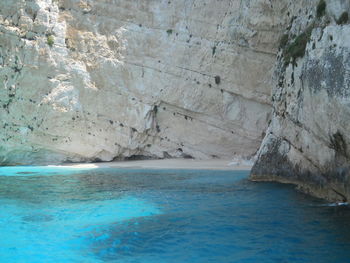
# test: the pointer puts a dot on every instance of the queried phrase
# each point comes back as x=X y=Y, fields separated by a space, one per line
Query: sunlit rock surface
x=98 y=80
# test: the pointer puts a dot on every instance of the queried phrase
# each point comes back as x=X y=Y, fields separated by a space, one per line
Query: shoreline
x=217 y=164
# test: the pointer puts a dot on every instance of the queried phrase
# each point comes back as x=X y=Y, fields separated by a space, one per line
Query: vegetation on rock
x=343 y=19
x=297 y=48
x=321 y=9
x=284 y=40
x=50 y=40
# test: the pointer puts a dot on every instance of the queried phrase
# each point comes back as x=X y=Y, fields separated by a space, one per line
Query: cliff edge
x=307 y=142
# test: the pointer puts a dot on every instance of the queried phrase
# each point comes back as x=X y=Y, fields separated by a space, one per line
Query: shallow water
x=163 y=216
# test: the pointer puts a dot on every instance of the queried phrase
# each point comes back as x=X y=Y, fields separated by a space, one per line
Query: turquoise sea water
x=163 y=216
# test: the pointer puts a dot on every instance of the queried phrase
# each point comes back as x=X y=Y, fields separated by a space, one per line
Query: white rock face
x=98 y=80
x=308 y=140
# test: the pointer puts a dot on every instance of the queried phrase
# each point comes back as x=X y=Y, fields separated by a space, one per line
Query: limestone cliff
x=307 y=142
x=84 y=80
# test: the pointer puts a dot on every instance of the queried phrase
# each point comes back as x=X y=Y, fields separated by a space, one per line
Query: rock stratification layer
x=307 y=142
x=98 y=80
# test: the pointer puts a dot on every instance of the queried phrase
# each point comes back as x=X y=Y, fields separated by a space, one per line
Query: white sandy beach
x=169 y=164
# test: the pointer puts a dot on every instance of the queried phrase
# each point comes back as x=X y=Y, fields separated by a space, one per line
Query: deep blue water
x=163 y=216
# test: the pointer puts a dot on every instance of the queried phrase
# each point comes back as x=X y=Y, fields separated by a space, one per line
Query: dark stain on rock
x=186 y=156
x=331 y=77
x=338 y=144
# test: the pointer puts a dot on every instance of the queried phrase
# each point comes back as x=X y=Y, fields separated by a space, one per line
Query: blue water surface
x=163 y=216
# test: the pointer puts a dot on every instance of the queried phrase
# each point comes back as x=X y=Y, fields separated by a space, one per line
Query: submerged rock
x=37 y=218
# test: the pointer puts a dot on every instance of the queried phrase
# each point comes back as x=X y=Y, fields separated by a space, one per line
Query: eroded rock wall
x=307 y=142
x=97 y=80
